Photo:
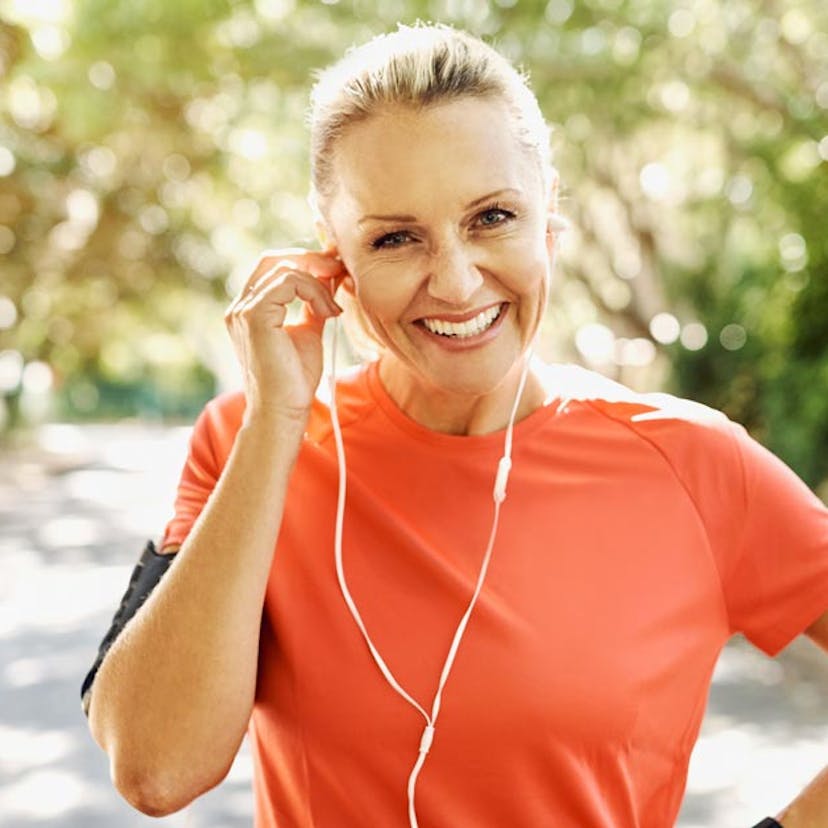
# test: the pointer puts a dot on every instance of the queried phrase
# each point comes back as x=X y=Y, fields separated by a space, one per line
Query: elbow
x=147 y=795
x=156 y=794
x=148 y=803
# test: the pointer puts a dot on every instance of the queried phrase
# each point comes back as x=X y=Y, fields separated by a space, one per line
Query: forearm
x=173 y=696
x=810 y=808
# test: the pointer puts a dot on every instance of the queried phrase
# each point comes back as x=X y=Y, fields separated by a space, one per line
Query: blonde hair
x=416 y=66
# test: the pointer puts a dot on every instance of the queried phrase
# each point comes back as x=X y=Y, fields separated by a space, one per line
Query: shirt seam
x=740 y=545
x=684 y=486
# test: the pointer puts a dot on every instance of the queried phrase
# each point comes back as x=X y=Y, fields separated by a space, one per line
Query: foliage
x=150 y=150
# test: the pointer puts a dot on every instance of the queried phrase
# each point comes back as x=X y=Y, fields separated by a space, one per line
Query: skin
x=152 y=723
x=445 y=262
x=450 y=259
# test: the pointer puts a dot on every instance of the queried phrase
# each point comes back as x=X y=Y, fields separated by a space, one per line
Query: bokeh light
x=733 y=337
x=665 y=328
x=694 y=336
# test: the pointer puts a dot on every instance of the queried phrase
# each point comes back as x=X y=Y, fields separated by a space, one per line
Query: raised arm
x=172 y=699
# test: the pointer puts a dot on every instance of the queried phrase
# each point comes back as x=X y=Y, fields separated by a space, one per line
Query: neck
x=449 y=412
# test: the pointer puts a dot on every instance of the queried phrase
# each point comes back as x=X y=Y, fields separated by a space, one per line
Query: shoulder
x=695 y=445
x=686 y=432
x=569 y=383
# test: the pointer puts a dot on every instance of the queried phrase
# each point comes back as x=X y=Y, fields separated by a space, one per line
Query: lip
x=450 y=343
x=459 y=317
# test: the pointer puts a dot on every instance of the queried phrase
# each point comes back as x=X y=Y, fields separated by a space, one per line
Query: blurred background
x=150 y=150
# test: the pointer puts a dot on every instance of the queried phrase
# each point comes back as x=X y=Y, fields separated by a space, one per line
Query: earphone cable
x=498 y=493
x=340 y=515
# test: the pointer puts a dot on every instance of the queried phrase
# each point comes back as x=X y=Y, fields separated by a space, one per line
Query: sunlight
x=7 y=161
x=54 y=596
x=45 y=794
x=39 y=11
x=25 y=748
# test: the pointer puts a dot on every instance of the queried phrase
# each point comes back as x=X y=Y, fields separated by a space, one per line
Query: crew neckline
x=403 y=422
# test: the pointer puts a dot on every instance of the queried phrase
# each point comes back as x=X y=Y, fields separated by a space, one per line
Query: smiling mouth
x=462 y=330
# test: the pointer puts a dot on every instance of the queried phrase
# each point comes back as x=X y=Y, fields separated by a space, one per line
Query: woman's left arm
x=810 y=808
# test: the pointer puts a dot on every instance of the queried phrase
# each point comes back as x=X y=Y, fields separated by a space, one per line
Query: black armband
x=147 y=573
x=768 y=822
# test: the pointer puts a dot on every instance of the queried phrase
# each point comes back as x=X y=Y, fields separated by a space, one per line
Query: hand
x=282 y=364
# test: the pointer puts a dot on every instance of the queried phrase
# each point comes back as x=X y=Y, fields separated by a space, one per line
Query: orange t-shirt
x=629 y=551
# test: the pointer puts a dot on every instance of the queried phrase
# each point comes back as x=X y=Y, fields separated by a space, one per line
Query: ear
x=329 y=246
x=554 y=186
x=555 y=222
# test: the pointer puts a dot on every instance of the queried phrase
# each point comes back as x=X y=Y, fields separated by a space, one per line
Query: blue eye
x=380 y=243
x=495 y=209
x=393 y=240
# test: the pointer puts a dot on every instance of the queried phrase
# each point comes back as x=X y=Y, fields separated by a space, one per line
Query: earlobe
x=556 y=223
x=554 y=227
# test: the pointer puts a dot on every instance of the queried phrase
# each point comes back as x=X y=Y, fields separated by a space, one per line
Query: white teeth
x=471 y=327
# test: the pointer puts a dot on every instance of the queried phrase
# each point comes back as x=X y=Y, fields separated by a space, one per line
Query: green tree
x=150 y=150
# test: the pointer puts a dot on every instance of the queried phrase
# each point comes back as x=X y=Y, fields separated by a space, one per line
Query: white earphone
x=555 y=223
x=499 y=495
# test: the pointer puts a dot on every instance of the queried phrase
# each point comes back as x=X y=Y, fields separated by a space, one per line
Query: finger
x=263 y=314
x=275 y=312
x=334 y=282
x=331 y=273
x=320 y=265
x=283 y=289
x=282 y=285
x=318 y=262
x=310 y=320
x=295 y=284
x=323 y=265
x=307 y=288
x=282 y=269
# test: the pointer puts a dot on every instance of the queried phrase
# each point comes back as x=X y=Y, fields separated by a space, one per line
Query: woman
x=562 y=685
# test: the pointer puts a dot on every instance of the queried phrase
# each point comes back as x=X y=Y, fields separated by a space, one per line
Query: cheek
x=383 y=292
x=531 y=280
x=533 y=291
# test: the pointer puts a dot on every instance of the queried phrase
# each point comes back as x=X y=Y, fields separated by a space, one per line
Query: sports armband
x=145 y=576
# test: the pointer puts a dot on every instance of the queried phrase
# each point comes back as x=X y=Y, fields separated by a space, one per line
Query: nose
x=453 y=276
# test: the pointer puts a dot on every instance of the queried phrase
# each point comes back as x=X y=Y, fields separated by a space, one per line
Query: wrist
x=273 y=436
x=287 y=422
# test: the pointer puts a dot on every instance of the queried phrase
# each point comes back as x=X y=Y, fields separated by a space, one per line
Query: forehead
x=443 y=154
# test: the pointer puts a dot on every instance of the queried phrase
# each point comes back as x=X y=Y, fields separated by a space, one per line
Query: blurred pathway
x=76 y=508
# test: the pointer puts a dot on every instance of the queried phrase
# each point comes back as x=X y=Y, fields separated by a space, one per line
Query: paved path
x=75 y=511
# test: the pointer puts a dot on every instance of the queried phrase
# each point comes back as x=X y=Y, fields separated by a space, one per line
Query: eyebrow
x=467 y=207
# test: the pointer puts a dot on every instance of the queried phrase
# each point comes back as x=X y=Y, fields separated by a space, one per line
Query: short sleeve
x=778 y=585
x=210 y=443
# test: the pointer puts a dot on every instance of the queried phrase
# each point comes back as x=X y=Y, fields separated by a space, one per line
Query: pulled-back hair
x=416 y=66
